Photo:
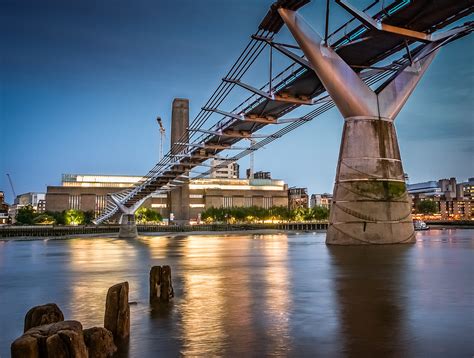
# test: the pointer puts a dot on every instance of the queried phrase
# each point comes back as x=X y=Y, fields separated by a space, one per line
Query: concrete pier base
x=370 y=202
x=128 y=227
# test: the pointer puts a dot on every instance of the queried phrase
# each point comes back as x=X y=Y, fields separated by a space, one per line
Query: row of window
x=74 y=202
x=100 y=204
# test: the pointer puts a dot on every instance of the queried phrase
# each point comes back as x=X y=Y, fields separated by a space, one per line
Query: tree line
x=26 y=215
x=255 y=214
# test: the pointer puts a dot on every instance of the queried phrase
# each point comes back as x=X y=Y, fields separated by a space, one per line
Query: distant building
x=86 y=192
x=36 y=200
x=262 y=175
x=3 y=204
x=298 y=198
x=324 y=200
x=427 y=189
x=467 y=189
x=3 y=210
x=224 y=171
x=89 y=192
x=33 y=199
x=455 y=201
x=449 y=188
x=99 y=180
x=227 y=193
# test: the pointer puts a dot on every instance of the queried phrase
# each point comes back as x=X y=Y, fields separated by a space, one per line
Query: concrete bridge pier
x=370 y=201
x=128 y=226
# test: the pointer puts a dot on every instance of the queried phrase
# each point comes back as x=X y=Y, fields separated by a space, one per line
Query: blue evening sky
x=82 y=82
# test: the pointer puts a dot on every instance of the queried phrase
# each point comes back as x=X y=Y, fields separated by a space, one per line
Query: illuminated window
x=196 y=196
x=161 y=196
x=158 y=205
x=196 y=205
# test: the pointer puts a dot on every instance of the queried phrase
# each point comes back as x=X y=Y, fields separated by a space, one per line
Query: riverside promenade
x=55 y=231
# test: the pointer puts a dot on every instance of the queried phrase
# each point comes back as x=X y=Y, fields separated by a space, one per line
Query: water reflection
x=204 y=302
x=251 y=295
x=277 y=293
x=227 y=298
x=369 y=283
x=94 y=266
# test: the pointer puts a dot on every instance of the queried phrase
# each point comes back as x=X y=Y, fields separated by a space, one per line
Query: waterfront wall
x=49 y=231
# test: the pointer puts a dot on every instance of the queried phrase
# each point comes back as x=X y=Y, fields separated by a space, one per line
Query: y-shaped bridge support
x=128 y=227
x=370 y=202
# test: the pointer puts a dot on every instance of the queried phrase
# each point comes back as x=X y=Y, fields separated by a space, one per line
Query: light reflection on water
x=204 y=301
x=257 y=295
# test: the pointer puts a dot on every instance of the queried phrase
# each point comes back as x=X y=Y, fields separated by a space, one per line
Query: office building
x=36 y=200
x=455 y=201
x=33 y=199
x=262 y=175
x=324 y=200
x=3 y=210
x=298 y=198
x=220 y=170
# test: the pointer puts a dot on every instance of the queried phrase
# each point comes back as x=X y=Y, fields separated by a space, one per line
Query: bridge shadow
x=369 y=284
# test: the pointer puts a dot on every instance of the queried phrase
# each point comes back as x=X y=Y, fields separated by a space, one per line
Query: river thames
x=257 y=295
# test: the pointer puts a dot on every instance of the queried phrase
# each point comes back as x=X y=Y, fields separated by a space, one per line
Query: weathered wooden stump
x=155 y=283
x=40 y=315
x=161 y=287
x=60 y=339
x=99 y=342
x=117 y=312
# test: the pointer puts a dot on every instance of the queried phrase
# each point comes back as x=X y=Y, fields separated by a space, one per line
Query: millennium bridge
x=367 y=68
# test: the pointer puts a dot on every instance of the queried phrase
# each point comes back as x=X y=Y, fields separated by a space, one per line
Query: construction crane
x=162 y=136
x=11 y=185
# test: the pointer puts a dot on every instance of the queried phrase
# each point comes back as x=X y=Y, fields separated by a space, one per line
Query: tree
x=88 y=217
x=298 y=214
x=147 y=216
x=58 y=216
x=320 y=213
x=278 y=213
x=241 y=214
x=25 y=215
x=427 y=207
x=44 y=219
x=74 y=217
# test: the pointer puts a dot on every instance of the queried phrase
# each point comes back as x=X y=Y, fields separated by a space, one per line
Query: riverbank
x=64 y=231
x=223 y=233
x=163 y=234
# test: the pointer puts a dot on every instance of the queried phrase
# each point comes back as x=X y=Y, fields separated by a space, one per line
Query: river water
x=257 y=295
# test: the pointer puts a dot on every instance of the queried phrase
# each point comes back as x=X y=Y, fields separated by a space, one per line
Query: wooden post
x=117 y=312
x=161 y=287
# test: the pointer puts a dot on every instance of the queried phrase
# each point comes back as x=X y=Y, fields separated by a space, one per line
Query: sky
x=83 y=81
